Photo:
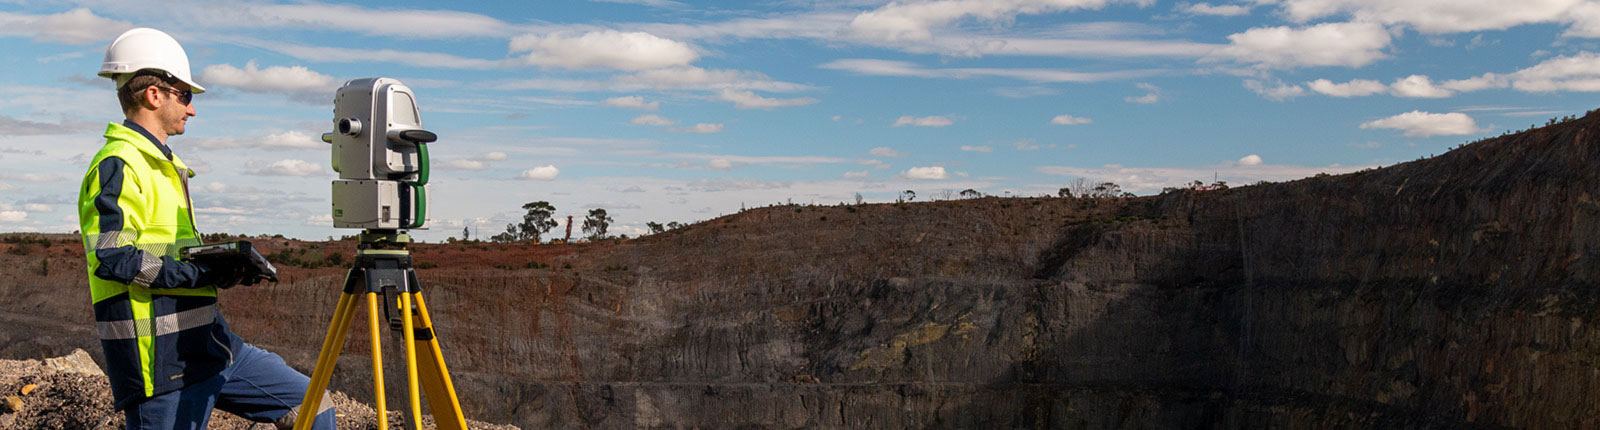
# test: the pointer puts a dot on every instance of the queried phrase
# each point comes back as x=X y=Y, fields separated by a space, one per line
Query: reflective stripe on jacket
x=159 y=329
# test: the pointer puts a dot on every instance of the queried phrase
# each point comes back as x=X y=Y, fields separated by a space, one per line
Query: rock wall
x=1455 y=291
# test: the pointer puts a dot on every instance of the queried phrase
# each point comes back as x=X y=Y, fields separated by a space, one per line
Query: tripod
x=382 y=271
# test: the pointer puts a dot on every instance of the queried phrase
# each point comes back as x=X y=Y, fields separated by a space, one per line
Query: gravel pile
x=71 y=393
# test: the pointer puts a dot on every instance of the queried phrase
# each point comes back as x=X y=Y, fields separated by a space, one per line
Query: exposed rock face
x=1456 y=291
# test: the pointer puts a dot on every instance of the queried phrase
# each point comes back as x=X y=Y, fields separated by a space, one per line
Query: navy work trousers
x=259 y=386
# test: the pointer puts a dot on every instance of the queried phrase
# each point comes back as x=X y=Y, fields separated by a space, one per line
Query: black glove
x=228 y=264
x=220 y=274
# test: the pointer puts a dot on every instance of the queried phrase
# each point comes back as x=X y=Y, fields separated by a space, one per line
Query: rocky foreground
x=71 y=392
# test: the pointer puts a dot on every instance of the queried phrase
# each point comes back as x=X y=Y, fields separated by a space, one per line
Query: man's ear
x=150 y=99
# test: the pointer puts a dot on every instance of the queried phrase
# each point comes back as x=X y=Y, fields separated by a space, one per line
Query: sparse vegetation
x=596 y=224
x=26 y=239
x=311 y=256
x=538 y=220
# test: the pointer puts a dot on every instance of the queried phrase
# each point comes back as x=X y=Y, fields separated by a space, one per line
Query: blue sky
x=662 y=110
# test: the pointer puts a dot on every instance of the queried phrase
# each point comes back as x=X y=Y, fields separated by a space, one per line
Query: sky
x=661 y=110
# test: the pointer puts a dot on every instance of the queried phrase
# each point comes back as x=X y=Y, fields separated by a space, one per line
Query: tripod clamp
x=384 y=261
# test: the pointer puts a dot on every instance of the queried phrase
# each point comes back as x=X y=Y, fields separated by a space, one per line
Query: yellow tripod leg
x=435 y=377
x=409 y=336
x=377 y=361
x=327 y=358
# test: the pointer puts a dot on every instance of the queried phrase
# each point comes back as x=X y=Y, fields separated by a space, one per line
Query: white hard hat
x=146 y=48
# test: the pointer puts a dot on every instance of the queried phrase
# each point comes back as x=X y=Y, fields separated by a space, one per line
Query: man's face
x=171 y=111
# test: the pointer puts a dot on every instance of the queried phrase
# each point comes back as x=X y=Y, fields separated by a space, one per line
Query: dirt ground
x=71 y=393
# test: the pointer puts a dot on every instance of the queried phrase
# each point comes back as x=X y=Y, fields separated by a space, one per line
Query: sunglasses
x=184 y=97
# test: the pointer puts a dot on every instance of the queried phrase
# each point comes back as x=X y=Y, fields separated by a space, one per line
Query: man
x=169 y=353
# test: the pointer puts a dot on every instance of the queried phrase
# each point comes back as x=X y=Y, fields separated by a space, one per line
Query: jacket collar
x=147 y=145
x=165 y=151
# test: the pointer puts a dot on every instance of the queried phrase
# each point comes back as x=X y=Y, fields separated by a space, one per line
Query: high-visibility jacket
x=159 y=329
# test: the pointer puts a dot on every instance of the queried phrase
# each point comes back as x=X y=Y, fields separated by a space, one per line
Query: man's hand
x=228 y=264
x=221 y=274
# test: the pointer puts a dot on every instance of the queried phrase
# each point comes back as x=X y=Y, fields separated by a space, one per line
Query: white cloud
x=1417 y=86
x=33 y=177
x=884 y=151
x=224 y=211
x=650 y=3
x=1153 y=95
x=917 y=20
x=298 y=82
x=750 y=100
x=731 y=184
x=37 y=207
x=1084 y=40
x=1585 y=21
x=867 y=66
x=633 y=102
x=491 y=156
x=1425 y=124
x=1250 y=160
x=459 y=164
x=1278 y=91
x=857 y=175
x=876 y=164
x=7 y=187
x=13 y=216
x=1349 y=44
x=695 y=78
x=74 y=27
x=21 y=127
x=934 y=172
x=609 y=49
x=927 y=121
x=781 y=159
x=1026 y=92
x=1026 y=145
x=1083 y=44
x=651 y=119
x=1579 y=72
x=319 y=220
x=1354 y=88
x=328 y=54
x=404 y=23
x=293 y=139
x=1069 y=120
x=1482 y=82
x=1216 y=10
x=976 y=148
x=667 y=79
x=719 y=164
x=541 y=173
x=701 y=128
x=290 y=167
x=1437 y=16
